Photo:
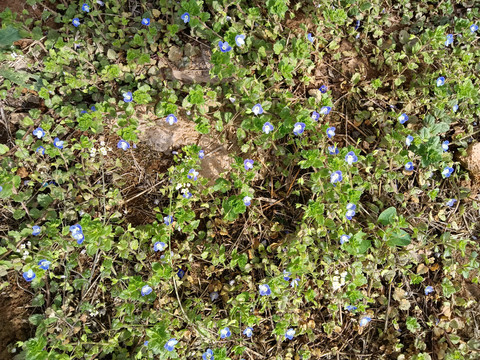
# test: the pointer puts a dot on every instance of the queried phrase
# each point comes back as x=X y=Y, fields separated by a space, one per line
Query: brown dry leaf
x=22 y=172
x=422 y=269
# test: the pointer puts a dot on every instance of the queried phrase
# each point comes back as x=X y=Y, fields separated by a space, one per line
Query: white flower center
x=30 y=273
x=298 y=128
x=240 y=41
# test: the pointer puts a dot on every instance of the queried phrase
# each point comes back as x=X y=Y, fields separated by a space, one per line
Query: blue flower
x=224 y=47
x=79 y=237
x=451 y=202
x=447 y=172
x=168 y=220
x=187 y=194
x=473 y=28
x=248 y=332
x=240 y=40
x=180 y=273
x=201 y=154
x=171 y=119
x=39 y=133
x=357 y=25
x=445 y=145
x=36 y=230
x=365 y=320
x=40 y=150
x=170 y=344
x=351 y=158
x=331 y=132
x=264 y=290
x=29 y=275
x=225 y=333
x=449 y=40
x=350 y=211
x=455 y=108
x=128 y=97
x=159 y=246
x=185 y=17
x=409 y=166
x=336 y=177
x=58 y=143
x=93 y=108
x=44 y=264
x=286 y=275
x=409 y=140
x=193 y=174
x=208 y=355
x=85 y=8
x=323 y=89
x=299 y=128
x=344 y=238
x=76 y=22
x=257 y=109
x=403 y=118
x=248 y=164
x=267 y=128
x=315 y=116
x=351 y=308
x=440 y=81
x=247 y=200
x=77 y=228
x=145 y=343
x=310 y=37
x=122 y=144
x=289 y=334
x=83 y=112
x=295 y=282
x=333 y=150
x=325 y=110
x=428 y=290
x=1 y=188
x=146 y=290
x=146 y=21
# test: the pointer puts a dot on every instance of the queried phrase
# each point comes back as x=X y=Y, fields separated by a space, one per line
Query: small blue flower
x=257 y=109
x=473 y=28
x=451 y=202
x=323 y=89
x=201 y=154
x=171 y=119
x=39 y=133
x=193 y=174
x=93 y=108
x=310 y=37
x=208 y=355
x=351 y=308
x=455 y=108
x=58 y=143
x=146 y=290
x=248 y=332
x=185 y=17
x=294 y=282
x=365 y=320
x=170 y=344
x=428 y=290
x=224 y=47
x=333 y=150
x=76 y=22
x=440 y=81
x=145 y=343
x=445 y=145
x=159 y=246
x=40 y=150
x=357 y=25
x=29 y=275
x=409 y=166
x=1 y=188
x=85 y=8
x=36 y=230
x=286 y=275
x=289 y=334
x=264 y=290
x=44 y=264
x=240 y=40
x=351 y=158
x=325 y=110
x=336 y=177
x=409 y=140
x=247 y=200
x=315 y=116
x=350 y=211
x=331 y=132
x=187 y=194
x=248 y=164
x=83 y=112
x=128 y=97
x=168 y=220
x=225 y=333
x=344 y=238
x=449 y=40
x=299 y=128
x=77 y=228
x=180 y=273
x=447 y=172
x=122 y=144
x=146 y=21
x=79 y=237
x=267 y=128
x=403 y=118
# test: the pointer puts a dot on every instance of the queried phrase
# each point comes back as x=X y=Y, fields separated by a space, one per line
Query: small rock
x=472 y=160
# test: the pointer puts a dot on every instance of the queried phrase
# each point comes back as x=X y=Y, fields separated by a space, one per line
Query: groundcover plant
x=212 y=179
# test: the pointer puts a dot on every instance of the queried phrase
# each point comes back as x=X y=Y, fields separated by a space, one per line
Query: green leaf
x=398 y=238
x=387 y=216
x=3 y=149
x=278 y=47
x=8 y=36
